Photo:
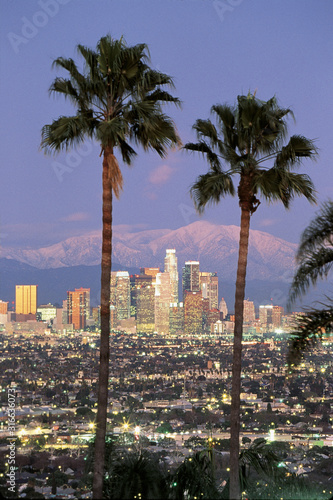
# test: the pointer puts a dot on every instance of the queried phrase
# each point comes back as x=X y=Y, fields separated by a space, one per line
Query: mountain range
x=75 y=261
x=215 y=246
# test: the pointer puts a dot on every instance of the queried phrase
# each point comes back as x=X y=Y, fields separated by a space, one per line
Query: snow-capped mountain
x=215 y=246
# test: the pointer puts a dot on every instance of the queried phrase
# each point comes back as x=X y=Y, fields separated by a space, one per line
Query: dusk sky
x=215 y=50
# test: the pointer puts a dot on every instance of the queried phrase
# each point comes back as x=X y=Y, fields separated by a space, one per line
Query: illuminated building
x=122 y=295
x=193 y=309
x=249 y=314
x=137 y=281
x=277 y=314
x=213 y=316
x=265 y=315
x=26 y=299
x=170 y=266
x=191 y=279
x=96 y=315
x=145 y=309
x=47 y=312
x=162 y=302
x=223 y=308
x=3 y=307
x=209 y=285
x=176 y=317
x=78 y=307
x=150 y=271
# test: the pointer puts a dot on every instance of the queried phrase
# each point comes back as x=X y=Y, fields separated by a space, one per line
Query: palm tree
x=118 y=99
x=194 y=478
x=135 y=475
x=249 y=138
x=315 y=260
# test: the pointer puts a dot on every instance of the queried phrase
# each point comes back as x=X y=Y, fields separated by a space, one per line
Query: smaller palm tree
x=194 y=478
x=135 y=475
x=315 y=260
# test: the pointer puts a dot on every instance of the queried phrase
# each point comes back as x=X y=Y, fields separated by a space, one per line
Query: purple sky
x=215 y=50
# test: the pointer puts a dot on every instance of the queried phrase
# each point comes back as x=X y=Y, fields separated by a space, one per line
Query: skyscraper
x=209 y=286
x=193 y=308
x=170 y=266
x=277 y=314
x=249 y=314
x=266 y=315
x=162 y=302
x=223 y=308
x=191 y=280
x=138 y=281
x=26 y=299
x=78 y=307
x=176 y=318
x=3 y=307
x=145 y=309
x=123 y=304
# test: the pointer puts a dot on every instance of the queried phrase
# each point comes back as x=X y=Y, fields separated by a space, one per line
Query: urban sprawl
x=169 y=384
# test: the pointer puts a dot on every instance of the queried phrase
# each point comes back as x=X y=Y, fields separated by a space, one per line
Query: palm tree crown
x=118 y=99
x=248 y=138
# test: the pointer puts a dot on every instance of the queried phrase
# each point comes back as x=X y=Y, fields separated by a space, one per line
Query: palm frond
x=318 y=233
x=316 y=265
x=298 y=147
x=64 y=133
x=281 y=185
x=259 y=456
x=203 y=148
x=210 y=188
x=158 y=133
x=194 y=478
x=309 y=330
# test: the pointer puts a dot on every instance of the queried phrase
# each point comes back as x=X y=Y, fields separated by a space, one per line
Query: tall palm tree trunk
x=237 y=354
x=105 y=329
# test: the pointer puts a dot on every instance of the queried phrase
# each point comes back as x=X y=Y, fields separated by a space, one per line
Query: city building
x=137 y=281
x=120 y=297
x=26 y=299
x=162 y=302
x=266 y=315
x=3 y=307
x=145 y=309
x=223 y=308
x=277 y=314
x=170 y=266
x=249 y=314
x=191 y=278
x=150 y=271
x=47 y=312
x=176 y=318
x=78 y=307
x=193 y=309
x=209 y=286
